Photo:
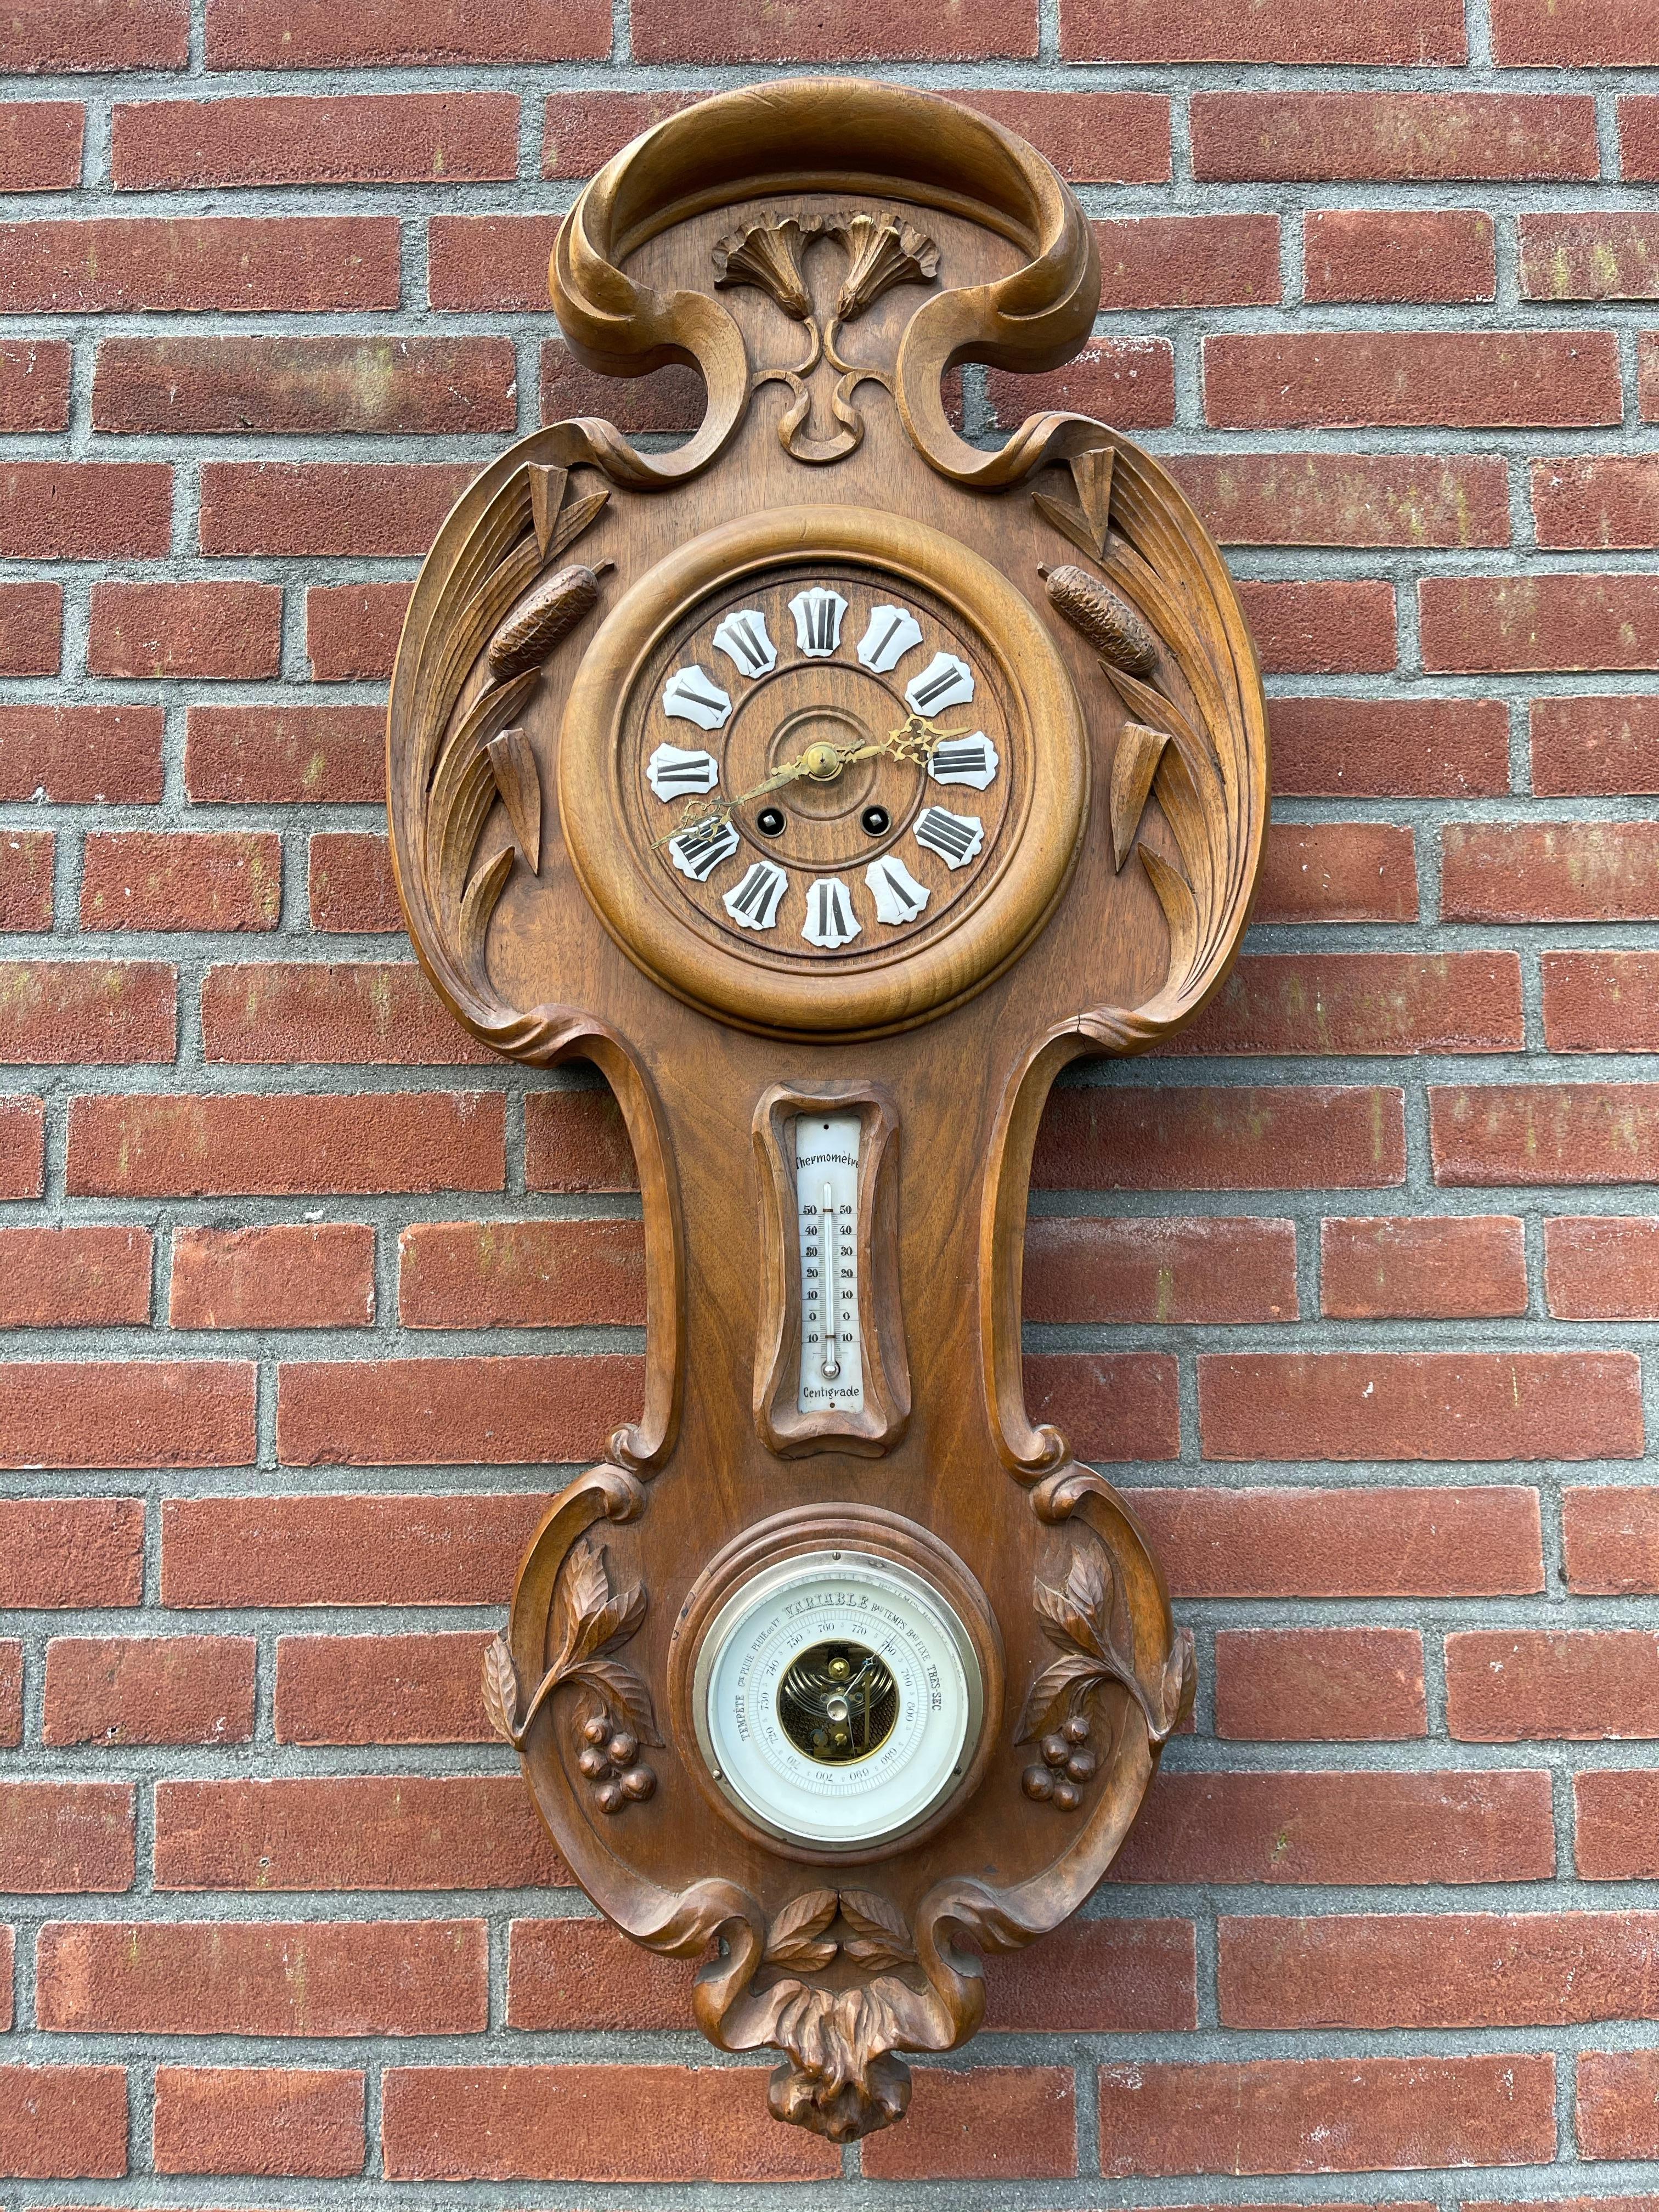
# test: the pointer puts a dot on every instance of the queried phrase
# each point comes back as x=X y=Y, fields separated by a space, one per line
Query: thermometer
x=826 y=1203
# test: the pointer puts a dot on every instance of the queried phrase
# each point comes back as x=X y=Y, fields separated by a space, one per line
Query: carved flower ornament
x=882 y=251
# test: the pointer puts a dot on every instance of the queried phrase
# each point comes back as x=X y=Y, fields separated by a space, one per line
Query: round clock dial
x=824 y=763
x=823 y=770
x=837 y=1699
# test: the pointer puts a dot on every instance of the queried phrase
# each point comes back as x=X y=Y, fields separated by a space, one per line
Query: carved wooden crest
x=832 y=784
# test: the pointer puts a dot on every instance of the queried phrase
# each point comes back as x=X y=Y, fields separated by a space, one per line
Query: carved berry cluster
x=610 y=1759
x=1065 y=1765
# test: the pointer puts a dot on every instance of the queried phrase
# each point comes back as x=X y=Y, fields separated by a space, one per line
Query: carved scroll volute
x=833 y=135
x=786 y=1431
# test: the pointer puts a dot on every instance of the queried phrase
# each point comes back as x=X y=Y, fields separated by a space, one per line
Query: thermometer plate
x=827 y=1211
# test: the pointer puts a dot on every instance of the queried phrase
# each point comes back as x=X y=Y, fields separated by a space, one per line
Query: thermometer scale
x=826 y=1203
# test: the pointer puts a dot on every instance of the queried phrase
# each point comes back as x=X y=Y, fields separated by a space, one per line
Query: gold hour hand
x=914 y=740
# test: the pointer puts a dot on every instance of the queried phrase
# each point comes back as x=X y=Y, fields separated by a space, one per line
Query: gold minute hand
x=914 y=740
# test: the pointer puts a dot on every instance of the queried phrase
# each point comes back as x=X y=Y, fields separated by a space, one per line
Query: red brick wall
x=1359 y=1283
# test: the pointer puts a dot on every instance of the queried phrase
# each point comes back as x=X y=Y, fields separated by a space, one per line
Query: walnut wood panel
x=824 y=253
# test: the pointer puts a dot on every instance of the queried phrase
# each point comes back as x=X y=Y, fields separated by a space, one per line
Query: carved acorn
x=1109 y=621
x=551 y=611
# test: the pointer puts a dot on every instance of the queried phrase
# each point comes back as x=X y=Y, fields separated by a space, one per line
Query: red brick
x=586 y=1976
x=1237 y=1138
x=1330 y=628
x=1320 y=1685
x=352 y=630
x=148 y=1689
x=126 y=1413
x=1390 y=748
x=1573 y=34
x=70 y=755
x=263 y=755
x=1590 y=257
x=1204 y=1269
x=576 y=1140
x=1506 y=1685
x=1605 y=748
x=580 y=131
x=1489 y=623
x=1127 y=381
x=668 y=401
x=531 y=2123
x=1639 y=140
x=11 y=1735
x=1119 y=1406
x=490 y=262
x=414 y=138
x=305 y=1977
x=96 y=34
x=351 y=882
x=34 y=375
x=201 y=630
x=354 y=1832
x=421 y=1689
x=358 y=1551
x=1328 y=2115
x=289 y=1144
x=1460 y=379
x=1458 y=1268
x=700 y=30
x=26 y=861
x=1373 y=1828
x=1477 y=1541
x=1616 y=1823
x=299 y=385
x=1346 y=499
x=163 y=880
x=63 y=2123
x=988 y=2124
x=95 y=1277
x=182 y=264
x=85 y=511
x=1097 y=1977
x=71 y=1551
x=1299 y=31
x=1602 y=1267
x=1550 y=872
x=31 y=633
x=453 y=1412
x=1188 y=261
x=521 y=1274
x=22 y=1147
x=1601 y=1001
x=1611 y=1541
x=312 y=34
x=1314 y=137
x=1617 y=2109
x=1364 y=1002
x=1438 y=1970
x=289 y=1275
x=305 y=1013
x=40 y=145
x=1392 y=254
x=284 y=507
x=253 y=2119
x=1091 y=137
x=1610 y=500
x=1420 y=1406
x=1545 y=1134
x=59 y=1837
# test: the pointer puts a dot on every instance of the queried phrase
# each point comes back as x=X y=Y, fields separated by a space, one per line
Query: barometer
x=831 y=783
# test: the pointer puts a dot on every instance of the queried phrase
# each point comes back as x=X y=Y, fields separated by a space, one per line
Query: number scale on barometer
x=827 y=1200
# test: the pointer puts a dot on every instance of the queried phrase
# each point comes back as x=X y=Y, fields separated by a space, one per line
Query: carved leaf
x=613 y=1623
x=797 y=1936
x=501 y=1690
x=584 y=1587
x=1133 y=766
x=573 y=521
x=1091 y=472
x=519 y=782
x=546 y=498
x=623 y=1691
x=1063 y=1687
x=881 y=1936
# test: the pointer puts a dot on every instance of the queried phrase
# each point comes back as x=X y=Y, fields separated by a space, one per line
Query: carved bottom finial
x=842 y=2108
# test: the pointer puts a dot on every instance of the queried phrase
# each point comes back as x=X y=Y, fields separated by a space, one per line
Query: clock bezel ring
x=901 y=984
x=769 y=1552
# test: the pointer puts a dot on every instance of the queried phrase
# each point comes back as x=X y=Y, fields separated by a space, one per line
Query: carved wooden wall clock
x=831 y=783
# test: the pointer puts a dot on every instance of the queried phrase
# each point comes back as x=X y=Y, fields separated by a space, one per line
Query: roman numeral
x=955 y=837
